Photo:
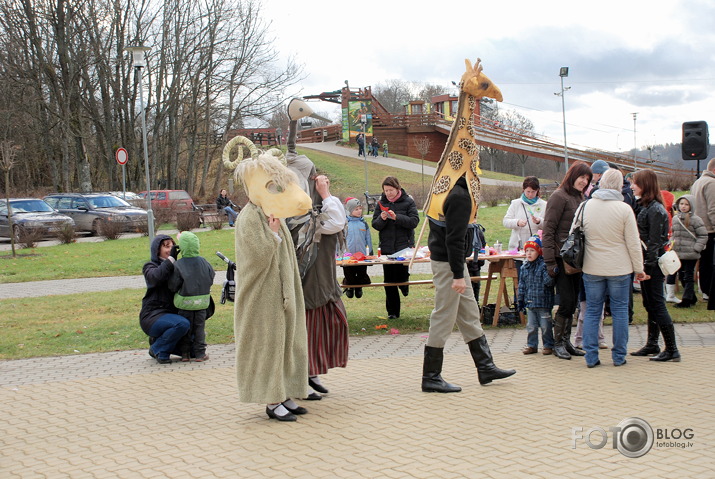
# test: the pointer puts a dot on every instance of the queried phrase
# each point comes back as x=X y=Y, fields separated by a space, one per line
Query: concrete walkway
x=332 y=147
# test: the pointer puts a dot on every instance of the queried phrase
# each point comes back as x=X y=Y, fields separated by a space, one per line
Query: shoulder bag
x=573 y=249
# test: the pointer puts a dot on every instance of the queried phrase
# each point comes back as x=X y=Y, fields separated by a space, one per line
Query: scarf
x=528 y=201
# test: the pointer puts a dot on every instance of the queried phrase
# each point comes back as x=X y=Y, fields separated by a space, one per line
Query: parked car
x=90 y=211
x=125 y=195
x=31 y=215
x=176 y=200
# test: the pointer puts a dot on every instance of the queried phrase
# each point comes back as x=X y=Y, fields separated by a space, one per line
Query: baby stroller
x=229 y=285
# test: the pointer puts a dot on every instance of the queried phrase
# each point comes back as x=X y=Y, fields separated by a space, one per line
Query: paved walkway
x=334 y=148
x=122 y=415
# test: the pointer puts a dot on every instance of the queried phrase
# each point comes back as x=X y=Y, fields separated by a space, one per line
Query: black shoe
x=560 y=351
x=482 y=356
x=648 y=350
x=318 y=387
x=313 y=397
x=349 y=292
x=405 y=290
x=620 y=364
x=299 y=410
x=432 y=381
x=358 y=293
x=392 y=316
x=597 y=363
x=667 y=356
x=287 y=417
x=573 y=351
x=158 y=359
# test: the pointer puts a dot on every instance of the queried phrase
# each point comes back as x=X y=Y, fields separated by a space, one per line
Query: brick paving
x=121 y=414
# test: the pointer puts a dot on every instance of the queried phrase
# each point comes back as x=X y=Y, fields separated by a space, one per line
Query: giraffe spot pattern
x=476 y=189
x=474 y=164
x=442 y=185
x=456 y=160
x=461 y=123
x=468 y=145
x=472 y=102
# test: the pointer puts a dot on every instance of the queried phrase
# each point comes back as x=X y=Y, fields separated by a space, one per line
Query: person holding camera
x=158 y=317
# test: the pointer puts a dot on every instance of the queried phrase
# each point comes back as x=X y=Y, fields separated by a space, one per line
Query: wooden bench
x=371 y=201
x=209 y=213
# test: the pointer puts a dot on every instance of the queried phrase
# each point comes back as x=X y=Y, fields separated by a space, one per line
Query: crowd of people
x=625 y=222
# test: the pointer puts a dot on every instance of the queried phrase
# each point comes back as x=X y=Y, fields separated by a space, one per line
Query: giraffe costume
x=460 y=156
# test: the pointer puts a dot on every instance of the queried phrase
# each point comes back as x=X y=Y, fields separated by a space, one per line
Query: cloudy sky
x=651 y=58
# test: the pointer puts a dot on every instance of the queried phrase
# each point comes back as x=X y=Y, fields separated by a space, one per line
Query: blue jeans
x=168 y=330
x=618 y=288
x=539 y=318
x=231 y=213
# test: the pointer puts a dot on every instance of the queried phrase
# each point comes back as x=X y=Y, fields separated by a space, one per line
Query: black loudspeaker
x=695 y=140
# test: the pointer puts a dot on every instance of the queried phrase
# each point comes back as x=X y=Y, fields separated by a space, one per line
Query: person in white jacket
x=525 y=214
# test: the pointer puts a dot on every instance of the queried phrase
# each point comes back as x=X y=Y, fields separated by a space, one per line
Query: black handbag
x=573 y=249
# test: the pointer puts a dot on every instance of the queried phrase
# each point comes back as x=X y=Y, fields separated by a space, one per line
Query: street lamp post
x=635 y=166
x=138 y=59
x=564 y=72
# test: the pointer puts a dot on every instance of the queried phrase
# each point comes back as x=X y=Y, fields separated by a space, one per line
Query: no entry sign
x=122 y=156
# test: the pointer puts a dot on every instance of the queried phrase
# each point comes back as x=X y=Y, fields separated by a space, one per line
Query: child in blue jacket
x=536 y=297
x=358 y=240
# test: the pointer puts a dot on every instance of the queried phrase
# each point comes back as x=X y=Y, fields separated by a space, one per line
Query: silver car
x=31 y=215
x=90 y=211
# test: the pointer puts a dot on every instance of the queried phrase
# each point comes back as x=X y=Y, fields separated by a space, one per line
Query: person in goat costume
x=269 y=313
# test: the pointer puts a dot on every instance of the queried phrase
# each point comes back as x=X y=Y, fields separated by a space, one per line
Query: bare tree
x=8 y=151
x=423 y=145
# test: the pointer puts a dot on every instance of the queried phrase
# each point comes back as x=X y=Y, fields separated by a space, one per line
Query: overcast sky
x=626 y=56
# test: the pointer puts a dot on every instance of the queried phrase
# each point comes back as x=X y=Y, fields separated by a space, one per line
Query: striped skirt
x=327 y=337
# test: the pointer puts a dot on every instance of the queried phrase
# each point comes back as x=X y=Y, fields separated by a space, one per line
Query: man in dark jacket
x=449 y=246
x=224 y=203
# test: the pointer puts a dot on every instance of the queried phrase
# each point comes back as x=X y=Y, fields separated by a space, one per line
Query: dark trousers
x=653 y=298
x=706 y=265
x=194 y=342
x=355 y=275
x=687 y=278
x=567 y=286
x=394 y=273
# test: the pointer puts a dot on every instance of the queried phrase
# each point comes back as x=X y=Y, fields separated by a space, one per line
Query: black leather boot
x=432 y=381
x=671 y=352
x=482 y=356
x=559 y=347
x=567 y=340
x=651 y=346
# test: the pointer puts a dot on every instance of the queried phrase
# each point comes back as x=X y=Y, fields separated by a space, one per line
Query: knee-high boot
x=482 y=356
x=651 y=346
x=567 y=340
x=432 y=381
x=559 y=348
x=671 y=352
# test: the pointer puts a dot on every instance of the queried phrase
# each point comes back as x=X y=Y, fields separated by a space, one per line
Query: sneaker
x=705 y=297
x=602 y=346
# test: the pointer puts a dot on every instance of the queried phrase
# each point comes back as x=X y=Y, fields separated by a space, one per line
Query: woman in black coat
x=395 y=218
x=653 y=227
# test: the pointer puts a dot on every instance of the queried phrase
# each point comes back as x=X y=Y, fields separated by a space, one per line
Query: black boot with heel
x=432 y=381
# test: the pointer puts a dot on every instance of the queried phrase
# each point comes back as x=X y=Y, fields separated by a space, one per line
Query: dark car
x=31 y=215
x=90 y=211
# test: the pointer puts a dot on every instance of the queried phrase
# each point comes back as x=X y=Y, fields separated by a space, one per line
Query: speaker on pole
x=696 y=140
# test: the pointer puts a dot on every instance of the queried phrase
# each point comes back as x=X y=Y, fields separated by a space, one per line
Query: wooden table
x=503 y=266
x=406 y=263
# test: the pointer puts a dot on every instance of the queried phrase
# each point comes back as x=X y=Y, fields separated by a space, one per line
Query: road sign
x=122 y=156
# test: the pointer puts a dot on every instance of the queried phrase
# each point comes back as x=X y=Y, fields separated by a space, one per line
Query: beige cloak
x=269 y=315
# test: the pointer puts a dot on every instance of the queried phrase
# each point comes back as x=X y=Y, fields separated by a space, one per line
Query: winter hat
x=599 y=167
x=351 y=204
x=535 y=243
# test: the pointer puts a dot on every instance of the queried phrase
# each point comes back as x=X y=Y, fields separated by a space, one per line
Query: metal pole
x=150 y=213
x=635 y=166
x=364 y=151
x=563 y=112
x=124 y=182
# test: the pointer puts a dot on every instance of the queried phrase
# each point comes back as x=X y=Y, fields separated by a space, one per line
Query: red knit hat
x=535 y=243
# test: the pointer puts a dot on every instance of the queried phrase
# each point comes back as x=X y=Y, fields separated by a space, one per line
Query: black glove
x=175 y=251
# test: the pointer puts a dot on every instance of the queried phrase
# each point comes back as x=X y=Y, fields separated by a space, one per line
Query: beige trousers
x=451 y=308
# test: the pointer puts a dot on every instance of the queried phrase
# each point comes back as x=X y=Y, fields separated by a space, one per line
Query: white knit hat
x=351 y=204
